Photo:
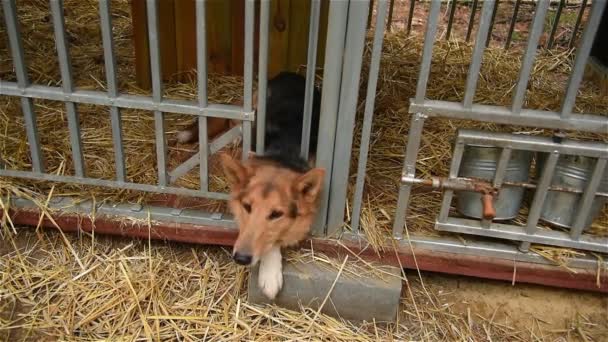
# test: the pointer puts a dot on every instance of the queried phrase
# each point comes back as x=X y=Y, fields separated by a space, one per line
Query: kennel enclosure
x=490 y=245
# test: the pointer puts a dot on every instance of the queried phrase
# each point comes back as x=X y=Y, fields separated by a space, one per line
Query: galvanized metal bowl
x=481 y=162
x=573 y=172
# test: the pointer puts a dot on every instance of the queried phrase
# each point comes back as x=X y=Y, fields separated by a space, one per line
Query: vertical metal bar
x=499 y=176
x=579 y=18
x=409 y=169
x=576 y=76
x=489 y=37
x=476 y=59
x=65 y=67
x=410 y=16
x=558 y=14
x=112 y=85
x=248 y=75
x=526 y=66
x=512 y=24
x=353 y=58
x=471 y=20
x=368 y=114
x=587 y=199
x=451 y=20
x=201 y=75
x=263 y=76
x=157 y=92
x=313 y=33
x=27 y=105
x=332 y=75
x=454 y=169
x=389 y=22
x=539 y=197
x=427 y=51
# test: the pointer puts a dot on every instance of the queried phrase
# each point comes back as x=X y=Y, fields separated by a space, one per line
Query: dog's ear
x=309 y=184
x=234 y=170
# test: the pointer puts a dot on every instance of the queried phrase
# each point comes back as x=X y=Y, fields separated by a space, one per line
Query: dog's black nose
x=242 y=259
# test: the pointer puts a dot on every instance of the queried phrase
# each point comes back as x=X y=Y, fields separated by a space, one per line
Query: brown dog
x=274 y=204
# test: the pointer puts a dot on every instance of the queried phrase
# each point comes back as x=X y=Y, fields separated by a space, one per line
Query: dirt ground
x=489 y=310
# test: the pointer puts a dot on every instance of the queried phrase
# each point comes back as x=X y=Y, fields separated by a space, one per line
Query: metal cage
x=341 y=78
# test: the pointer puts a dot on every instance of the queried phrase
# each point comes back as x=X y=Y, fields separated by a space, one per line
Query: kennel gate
x=341 y=79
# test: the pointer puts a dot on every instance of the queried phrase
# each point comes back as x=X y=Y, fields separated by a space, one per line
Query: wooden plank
x=140 y=44
x=324 y=16
x=238 y=37
x=166 y=23
x=299 y=15
x=219 y=33
x=185 y=37
x=279 y=36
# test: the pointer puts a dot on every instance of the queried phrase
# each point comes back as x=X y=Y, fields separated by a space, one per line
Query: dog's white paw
x=270 y=282
x=270 y=275
x=184 y=136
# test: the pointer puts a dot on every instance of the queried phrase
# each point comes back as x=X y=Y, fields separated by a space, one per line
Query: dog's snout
x=242 y=259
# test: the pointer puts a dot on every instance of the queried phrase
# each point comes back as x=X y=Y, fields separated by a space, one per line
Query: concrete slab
x=355 y=298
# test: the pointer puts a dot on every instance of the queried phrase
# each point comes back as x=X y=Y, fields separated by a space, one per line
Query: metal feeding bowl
x=574 y=172
x=480 y=162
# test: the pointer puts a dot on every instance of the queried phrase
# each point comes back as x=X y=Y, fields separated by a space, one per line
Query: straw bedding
x=399 y=70
x=88 y=288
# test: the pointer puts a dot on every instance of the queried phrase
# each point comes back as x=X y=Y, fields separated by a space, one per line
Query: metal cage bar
x=410 y=16
x=353 y=57
x=587 y=199
x=262 y=78
x=248 y=75
x=576 y=76
x=157 y=91
x=494 y=11
x=503 y=115
x=577 y=24
x=332 y=75
x=539 y=197
x=409 y=169
x=451 y=19
x=311 y=60
x=471 y=20
x=368 y=114
x=201 y=76
x=65 y=66
x=528 y=60
x=427 y=51
x=512 y=24
x=478 y=50
x=27 y=104
x=457 y=154
x=125 y=101
x=105 y=17
x=558 y=15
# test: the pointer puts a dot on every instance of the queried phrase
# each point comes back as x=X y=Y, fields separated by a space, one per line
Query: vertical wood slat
x=185 y=36
x=224 y=39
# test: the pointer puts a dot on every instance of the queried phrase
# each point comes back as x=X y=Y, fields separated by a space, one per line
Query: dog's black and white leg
x=270 y=276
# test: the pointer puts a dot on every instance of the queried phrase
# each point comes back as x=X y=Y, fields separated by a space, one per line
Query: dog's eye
x=247 y=207
x=275 y=215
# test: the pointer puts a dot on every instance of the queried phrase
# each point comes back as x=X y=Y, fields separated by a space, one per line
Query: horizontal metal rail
x=503 y=115
x=113 y=184
x=126 y=101
x=512 y=232
x=534 y=143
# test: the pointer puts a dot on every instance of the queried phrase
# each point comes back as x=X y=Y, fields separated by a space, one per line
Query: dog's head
x=272 y=205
